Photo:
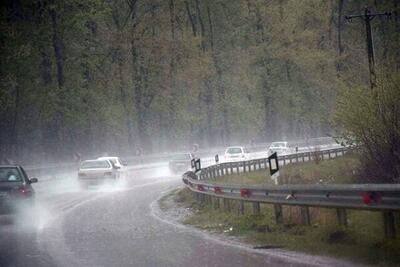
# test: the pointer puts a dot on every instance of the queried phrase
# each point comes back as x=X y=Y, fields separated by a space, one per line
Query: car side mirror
x=33 y=180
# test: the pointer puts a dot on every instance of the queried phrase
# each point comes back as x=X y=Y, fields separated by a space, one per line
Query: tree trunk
x=191 y=19
x=58 y=48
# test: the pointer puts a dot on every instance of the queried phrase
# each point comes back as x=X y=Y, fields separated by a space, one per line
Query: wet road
x=115 y=227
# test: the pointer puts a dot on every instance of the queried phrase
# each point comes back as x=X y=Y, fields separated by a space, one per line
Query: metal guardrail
x=378 y=197
x=354 y=196
x=217 y=170
x=165 y=156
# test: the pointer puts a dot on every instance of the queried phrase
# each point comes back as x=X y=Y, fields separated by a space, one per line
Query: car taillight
x=23 y=192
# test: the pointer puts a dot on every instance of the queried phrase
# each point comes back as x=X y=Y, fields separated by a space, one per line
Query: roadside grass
x=362 y=240
x=340 y=170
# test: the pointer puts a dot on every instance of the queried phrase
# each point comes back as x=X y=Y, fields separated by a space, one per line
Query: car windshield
x=181 y=157
x=9 y=174
x=234 y=150
x=95 y=164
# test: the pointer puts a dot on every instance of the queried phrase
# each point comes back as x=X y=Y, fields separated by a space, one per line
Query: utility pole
x=368 y=17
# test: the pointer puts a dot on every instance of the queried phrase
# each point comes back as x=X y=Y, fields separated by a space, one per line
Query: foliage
x=370 y=120
x=96 y=76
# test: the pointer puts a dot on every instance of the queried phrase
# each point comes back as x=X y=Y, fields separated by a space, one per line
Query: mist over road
x=106 y=226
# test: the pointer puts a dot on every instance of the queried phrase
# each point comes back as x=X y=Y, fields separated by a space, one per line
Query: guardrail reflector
x=371 y=197
x=217 y=190
x=245 y=192
x=200 y=187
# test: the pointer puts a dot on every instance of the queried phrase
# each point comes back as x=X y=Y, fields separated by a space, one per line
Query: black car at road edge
x=15 y=189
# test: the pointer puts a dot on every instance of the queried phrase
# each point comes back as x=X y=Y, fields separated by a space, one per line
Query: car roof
x=91 y=160
x=10 y=166
x=104 y=158
x=235 y=147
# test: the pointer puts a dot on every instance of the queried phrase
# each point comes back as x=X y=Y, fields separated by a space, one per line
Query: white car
x=236 y=153
x=281 y=148
x=116 y=161
x=98 y=171
x=119 y=165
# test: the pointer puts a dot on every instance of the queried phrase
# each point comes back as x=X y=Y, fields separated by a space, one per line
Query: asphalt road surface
x=106 y=226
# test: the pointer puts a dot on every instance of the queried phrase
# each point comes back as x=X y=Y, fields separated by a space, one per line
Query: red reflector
x=217 y=190
x=371 y=197
x=200 y=187
x=244 y=192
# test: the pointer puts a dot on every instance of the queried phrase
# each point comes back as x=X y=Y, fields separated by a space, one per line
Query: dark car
x=181 y=162
x=15 y=189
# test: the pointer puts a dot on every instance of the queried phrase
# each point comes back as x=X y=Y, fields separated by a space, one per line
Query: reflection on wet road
x=113 y=226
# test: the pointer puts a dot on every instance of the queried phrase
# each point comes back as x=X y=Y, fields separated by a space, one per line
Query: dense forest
x=114 y=75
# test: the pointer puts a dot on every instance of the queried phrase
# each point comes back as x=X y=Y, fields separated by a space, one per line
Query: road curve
x=117 y=227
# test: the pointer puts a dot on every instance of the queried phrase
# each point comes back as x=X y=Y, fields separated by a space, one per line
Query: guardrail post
x=256 y=208
x=227 y=205
x=278 y=214
x=259 y=164
x=231 y=165
x=341 y=215
x=302 y=155
x=265 y=163
x=201 y=198
x=241 y=207
x=208 y=200
x=336 y=153
x=244 y=166
x=389 y=224
x=305 y=215
x=215 y=202
x=329 y=154
x=237 y=167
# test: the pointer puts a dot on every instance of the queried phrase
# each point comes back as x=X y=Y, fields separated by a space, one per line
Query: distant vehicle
x=181 y=162
x=116 y=161
x=118 y=164
x=236 y=153
x=98 y=171
x=15 y=189
x=281 y=148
